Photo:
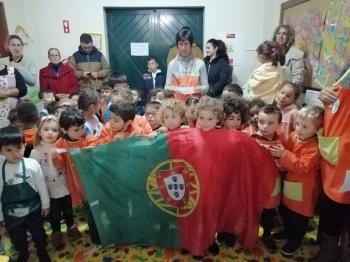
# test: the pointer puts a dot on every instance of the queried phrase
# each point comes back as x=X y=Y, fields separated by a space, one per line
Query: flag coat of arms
x=178 y=189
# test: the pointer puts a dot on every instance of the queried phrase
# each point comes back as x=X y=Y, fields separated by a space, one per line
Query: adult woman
x=284 y=35
x=216 y=63
x=58 y=77
x=25 y=66
x=12 y=86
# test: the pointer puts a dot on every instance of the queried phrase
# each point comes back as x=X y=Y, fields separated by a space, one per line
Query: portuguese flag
x=178 y=189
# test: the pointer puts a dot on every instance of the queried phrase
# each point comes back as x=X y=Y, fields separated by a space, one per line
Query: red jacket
x=62 y=83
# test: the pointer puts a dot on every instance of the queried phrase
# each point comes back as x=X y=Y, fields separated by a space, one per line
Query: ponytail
x=272 y=51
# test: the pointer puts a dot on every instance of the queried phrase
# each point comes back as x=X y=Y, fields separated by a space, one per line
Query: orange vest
x=65 y=160
x=301 y=185
x=336 y=142
x=107 y=135
x=275 y=197
x=191 y=81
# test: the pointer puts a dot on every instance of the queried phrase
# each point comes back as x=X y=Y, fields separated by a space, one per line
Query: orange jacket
x=336 y=140
x=107 y=135
x=275 y=197
x=65 y=160
x=141 y=125
x=301 y=185
x=29 y=136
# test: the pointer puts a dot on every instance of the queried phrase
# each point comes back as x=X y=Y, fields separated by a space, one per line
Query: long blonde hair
x=44 y=119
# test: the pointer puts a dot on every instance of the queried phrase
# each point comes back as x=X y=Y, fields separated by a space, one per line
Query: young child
x=173 y=114
x=24 y=196
x=269 y=124
x=210 y=112
x=60 y=199
x=106 y=94
x=26 y=118
x=191 y=117
x=152 y=114
x=285 y=101
x=139 y=108
x=235 y=114
x=156 y=94
x=89 y=103
x=72 y=128
x=266 y=80
x=301 y=158
x=154 y=78
x=46 y=97
x=232 y=91
x=120 y=125
x=254 y=107
x=117 y=80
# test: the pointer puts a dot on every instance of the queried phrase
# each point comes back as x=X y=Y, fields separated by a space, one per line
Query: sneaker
x=289 y=249
x=228 y=239
x=214 y=249
x=57 y=240
x=73 y=233
x=269 y=243
x=198 y=258
x=280 y=236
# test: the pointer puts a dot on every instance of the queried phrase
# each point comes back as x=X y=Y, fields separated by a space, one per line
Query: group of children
x=91 y=118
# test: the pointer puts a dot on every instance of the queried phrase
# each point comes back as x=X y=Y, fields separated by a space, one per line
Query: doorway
x=155 y=26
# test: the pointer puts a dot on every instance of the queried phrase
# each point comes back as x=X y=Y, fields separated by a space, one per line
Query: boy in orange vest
x=301 y=158
x=268 y=135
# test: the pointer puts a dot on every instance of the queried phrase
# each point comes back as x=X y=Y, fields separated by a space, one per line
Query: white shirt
x=34 y=177
x=55 y=177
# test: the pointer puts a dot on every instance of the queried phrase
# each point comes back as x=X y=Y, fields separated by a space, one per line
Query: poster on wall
x=235 y=46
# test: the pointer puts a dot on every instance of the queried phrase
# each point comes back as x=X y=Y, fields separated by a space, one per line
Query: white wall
x=42 y=19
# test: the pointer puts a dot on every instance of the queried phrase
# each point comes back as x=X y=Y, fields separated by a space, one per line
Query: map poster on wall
x=235 y=46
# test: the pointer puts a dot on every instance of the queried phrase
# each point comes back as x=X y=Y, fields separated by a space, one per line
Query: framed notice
x=96 y=40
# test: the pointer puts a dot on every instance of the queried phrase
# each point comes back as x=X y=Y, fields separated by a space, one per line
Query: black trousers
x=59 y=206
x=333 y=217
x=267 y=220
x=95 y=238
x=295 y=224
x=18 y=235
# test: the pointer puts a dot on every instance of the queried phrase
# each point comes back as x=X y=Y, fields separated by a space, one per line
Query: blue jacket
x=147 y=84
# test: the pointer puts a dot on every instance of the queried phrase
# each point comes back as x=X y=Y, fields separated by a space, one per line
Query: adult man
x=89 y=64
x=186 y=74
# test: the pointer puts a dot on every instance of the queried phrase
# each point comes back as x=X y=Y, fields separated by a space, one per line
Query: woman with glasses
x=284 y=35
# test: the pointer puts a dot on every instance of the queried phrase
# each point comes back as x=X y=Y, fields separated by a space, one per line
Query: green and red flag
x=178 y=189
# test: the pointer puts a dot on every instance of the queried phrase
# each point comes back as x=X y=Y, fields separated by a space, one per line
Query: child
x=139 y=108
x=191 y=104
x=120 y=125
x=269 y=124
x=89 y=103
x=154 y=78
x=24 y=196
x=266 y=80
x=232 y=91
x=209 y=112
x=156 y=94
x=254 y=107
x=235 y=111
x=60 y=199
x=26 y=118
x=106 y=94
x=152 y=114
x=117 y=80
x=72 y=127
x=173 y=114
x=285 y=101
x=301 y=158
x=46 y=97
